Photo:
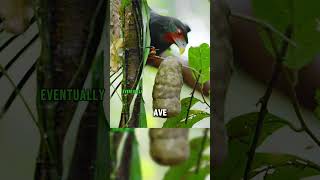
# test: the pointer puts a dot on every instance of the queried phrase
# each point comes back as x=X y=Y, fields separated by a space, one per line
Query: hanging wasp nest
x=169 y=146
x=167 y=86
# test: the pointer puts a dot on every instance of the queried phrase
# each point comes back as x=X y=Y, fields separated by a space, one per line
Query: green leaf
x=240 y=131
x=242 y=128
x=146 y=30
x=173 y=122
x=305 y=18
x=187 y=167
x=201 y=175
x=135 y=166
x=142 y=115
x=199 y=59
x=194 y=117
x=102 y=166
x=284 y=166
x=122 y=129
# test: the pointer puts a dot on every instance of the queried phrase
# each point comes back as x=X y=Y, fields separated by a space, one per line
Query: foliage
x=240 y=131
x=283 y=166
x=199 y=59
x=146 y=43
x=135 y=166
x=304 y=17
x=103 y=128
x=194 y=115
x=275 y=17
x=142 y=116
x=199 y=62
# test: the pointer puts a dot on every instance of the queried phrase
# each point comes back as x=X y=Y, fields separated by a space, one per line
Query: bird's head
x=177 y=33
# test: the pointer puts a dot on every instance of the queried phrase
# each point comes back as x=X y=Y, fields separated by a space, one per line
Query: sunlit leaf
x=142 y=115
x=201 y=175
x=199 y=59
x=173 y=121
x=194 y=117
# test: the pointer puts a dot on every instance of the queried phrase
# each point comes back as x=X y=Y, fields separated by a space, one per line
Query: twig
x=20 y=85
x=295 y=103
x=266 y=173
x=11 y=39
x=191 y=68
x=116 y=89
x=264 y=25
x=19 y=53
x=115 y=72
x=205 y=135
x=117 y=93
x=269 y=167
x=204 y=99
x=43 y=135
x=265 y=99
x=116 y=78
x=192 y=94
x=22 y=98
x=263 y=112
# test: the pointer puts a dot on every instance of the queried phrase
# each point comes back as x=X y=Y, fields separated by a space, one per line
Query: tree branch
x=192 y=94
x=295 y=103
x=264 y=25
x=205 y=135
x=265 y=99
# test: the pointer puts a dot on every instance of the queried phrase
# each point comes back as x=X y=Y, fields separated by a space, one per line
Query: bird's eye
x=179 y=31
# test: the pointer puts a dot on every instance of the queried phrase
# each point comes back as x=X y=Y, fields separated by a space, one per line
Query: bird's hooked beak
x=182 y=44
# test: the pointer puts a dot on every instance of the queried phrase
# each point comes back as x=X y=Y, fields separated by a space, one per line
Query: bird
x=166 y=30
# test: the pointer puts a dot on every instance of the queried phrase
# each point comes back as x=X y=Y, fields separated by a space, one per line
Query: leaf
x=199 y=59
x=142 y=115
x=179 y=171
x=146 y=30
x=240 y=131
x=194 y=117
x=122 y=130
x=103 y=127
x=201 y=175
x=173 y=122
x=305 y=20
x=135 y=166
x=242 y=127
x=284 y=166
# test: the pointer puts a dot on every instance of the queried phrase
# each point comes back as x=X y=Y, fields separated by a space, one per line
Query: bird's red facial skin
x=171 y=37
